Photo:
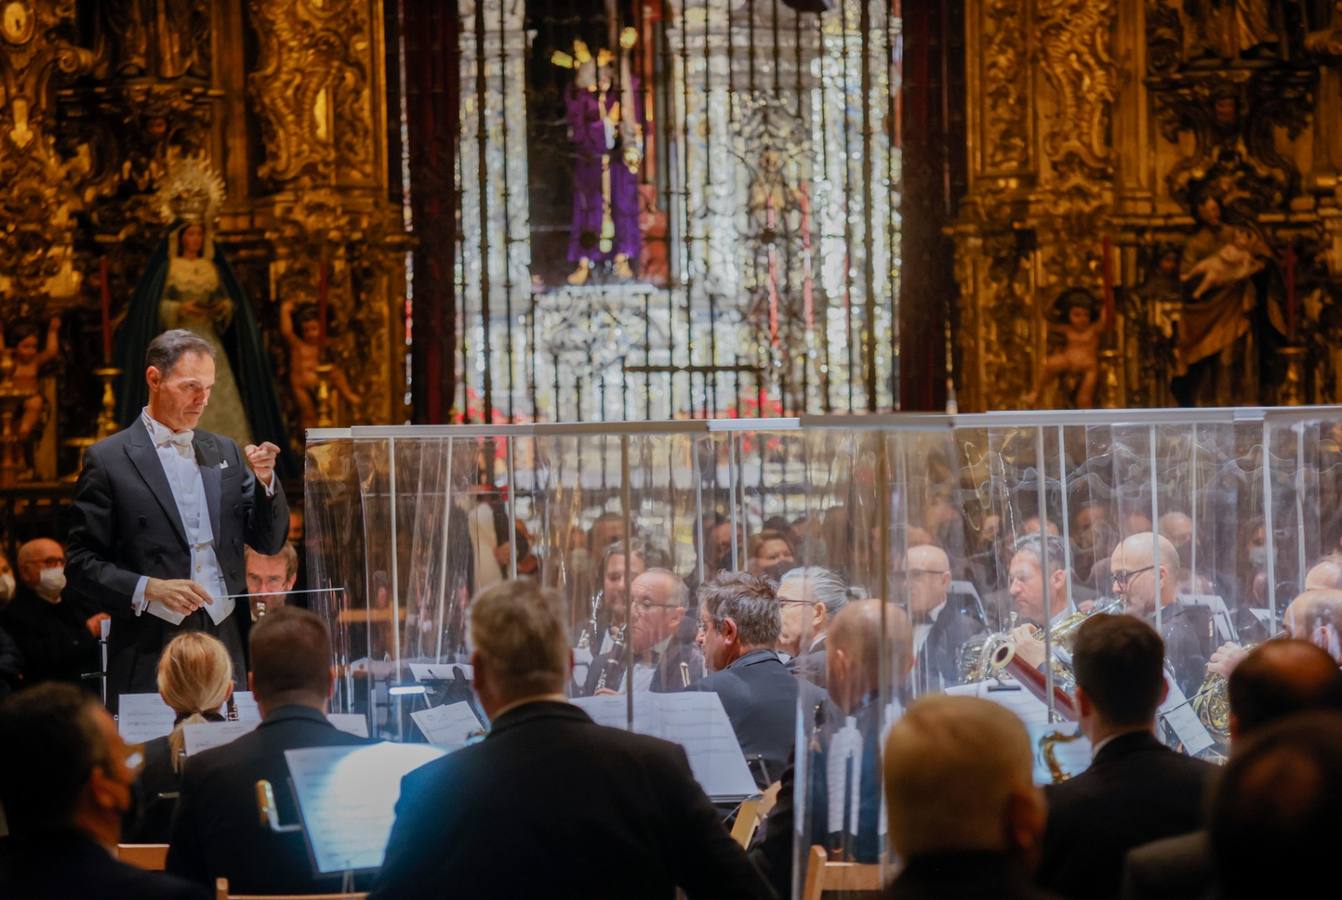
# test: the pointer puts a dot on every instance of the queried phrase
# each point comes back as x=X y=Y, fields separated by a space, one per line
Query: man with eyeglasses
x=65 y=783
x=665 y=656
x=1145 y=567
x=56 y=630
x=938 y=632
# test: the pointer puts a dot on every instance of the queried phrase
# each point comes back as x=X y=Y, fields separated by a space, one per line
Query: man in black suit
x=739 y=623
x=56 y=633
x=64 y=785
x=1136 y=789
x=1276 y=680
x=938 y=631
x=964 y=815
x=160 y=517
x=666 y=658
x=859 y=658
x=551 y=804
x=1144 y=570
x=216 y=830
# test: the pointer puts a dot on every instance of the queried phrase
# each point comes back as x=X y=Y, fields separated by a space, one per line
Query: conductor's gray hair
x=170 y=346
x=824 y=586
x=747 y=600
x=517 y=628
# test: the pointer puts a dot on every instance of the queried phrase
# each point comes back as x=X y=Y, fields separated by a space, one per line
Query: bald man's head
x=1135 y=564
x=1280 y=678
x=854 y=649
x=929 y=578
x=1325 y=576
x=1316 y=616
x=36 y=555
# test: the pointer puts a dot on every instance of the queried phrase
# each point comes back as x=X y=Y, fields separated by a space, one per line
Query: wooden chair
x=144 y=856
x=823 y=875
x=752 y=813
x=221 y=893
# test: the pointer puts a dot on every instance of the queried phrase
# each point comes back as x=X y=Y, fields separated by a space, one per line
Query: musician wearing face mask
x=55 y=630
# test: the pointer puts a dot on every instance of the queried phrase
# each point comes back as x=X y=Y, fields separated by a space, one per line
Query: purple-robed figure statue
x=606 y=155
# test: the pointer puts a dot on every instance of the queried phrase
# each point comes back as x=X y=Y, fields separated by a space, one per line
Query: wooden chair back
x=221 y=893
x=144 y=856
x=823 y=875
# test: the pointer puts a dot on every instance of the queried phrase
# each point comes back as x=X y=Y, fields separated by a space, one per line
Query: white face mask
x=7 y=586
x=52 y=580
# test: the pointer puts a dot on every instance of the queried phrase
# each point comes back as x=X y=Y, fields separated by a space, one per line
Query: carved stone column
x=319 y=94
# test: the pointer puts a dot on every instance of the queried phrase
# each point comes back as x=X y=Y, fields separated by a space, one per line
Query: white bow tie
x=180 y=440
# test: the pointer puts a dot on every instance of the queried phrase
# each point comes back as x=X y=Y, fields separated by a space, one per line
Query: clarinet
x=614 y=661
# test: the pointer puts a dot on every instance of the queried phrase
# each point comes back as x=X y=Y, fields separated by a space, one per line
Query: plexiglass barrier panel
x=898 y=557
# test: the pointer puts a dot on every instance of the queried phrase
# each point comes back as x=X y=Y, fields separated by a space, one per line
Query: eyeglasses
x=648 y=605
x=1123 y=576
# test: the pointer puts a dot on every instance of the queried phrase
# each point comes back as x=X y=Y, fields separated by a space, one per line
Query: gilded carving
x=1003 y=86
x=1074 y=38
x=311 y=88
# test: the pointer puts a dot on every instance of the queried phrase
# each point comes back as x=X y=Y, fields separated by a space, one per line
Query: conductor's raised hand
x=262 y=460
x=181 y=595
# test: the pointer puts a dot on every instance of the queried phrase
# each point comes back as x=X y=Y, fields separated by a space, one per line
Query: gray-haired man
x=739 y=622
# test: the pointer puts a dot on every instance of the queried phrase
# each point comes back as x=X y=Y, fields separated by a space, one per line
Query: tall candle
x=1288 y=264
x=323 y=296
x=1106 y=279
x=105 y=297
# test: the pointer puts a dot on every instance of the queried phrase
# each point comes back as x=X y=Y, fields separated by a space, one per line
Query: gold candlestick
x=107 y=424
x=325 y=413
x=1292 y=390
x=1111 y=384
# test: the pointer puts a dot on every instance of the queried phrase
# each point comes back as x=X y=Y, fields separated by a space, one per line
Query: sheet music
x=143 y=717
x=693 y=719
x=347 y=799
x=350 y=723
x=1183 y=720
x=1027 y=707
x=208 y=735
x=440 y=671
x=245 y=703
x=450 y=726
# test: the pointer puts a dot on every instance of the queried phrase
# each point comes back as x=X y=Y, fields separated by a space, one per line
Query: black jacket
x=55 y=643
x=216 y=830
x=761 y=699
x=1173 y=868
x=124 y=524
x=1137 y=790
x=964 y=876
x=68 y=864
x=937 y=666
x=154 y=796
x=552 y=805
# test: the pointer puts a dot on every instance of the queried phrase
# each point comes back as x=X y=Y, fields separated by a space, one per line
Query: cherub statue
x=1236 y=260
x=1080 y=354
x=29 y=358
x=304 y=357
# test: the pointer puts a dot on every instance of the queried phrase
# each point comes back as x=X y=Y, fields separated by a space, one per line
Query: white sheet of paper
x=158 y=609
x=347 y=799
x=246 y=706
x=143 y=717
x=448 y=726
x=1183 y=720
x=439 y=671
x=693 y=719
x=208 y=735
x=350 y=723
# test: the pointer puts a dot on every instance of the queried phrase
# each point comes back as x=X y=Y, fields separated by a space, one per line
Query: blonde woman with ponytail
x=195 y=679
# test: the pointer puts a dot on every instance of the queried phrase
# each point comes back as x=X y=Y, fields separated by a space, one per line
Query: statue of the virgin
x=189 y=284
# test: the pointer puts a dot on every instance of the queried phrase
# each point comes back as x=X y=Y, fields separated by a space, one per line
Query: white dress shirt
x=177 y=456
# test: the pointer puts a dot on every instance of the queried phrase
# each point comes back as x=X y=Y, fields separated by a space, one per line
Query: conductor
x=160 y=517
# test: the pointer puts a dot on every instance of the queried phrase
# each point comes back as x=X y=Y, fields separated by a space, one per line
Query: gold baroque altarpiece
x=1173 y=168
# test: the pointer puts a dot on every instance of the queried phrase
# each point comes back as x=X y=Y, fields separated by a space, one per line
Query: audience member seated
x=56 y=633
x=770 y=554
x=1275 y=827
x=739 y=623
x=1134 y=572
x=964 y=816
x=216 y=831
x=270 y=579
x=665 y=658
x=195 y=679
x=7 y=583
x=1277 y=679
x=859 y=703
x=938 y=631
x=551 y=804
x=65 y=784
x=1136 y=789
x=808 y=598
